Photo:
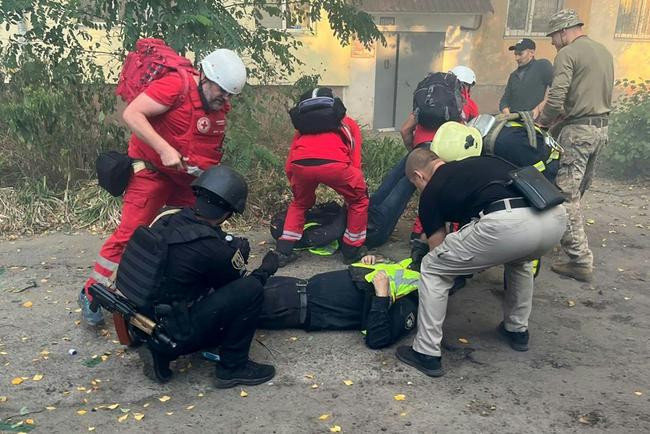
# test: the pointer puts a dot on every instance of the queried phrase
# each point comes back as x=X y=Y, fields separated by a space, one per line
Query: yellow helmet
x=454 y=141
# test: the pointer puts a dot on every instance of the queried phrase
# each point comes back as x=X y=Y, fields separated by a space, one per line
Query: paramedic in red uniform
x=170 y=134
x=334 y=159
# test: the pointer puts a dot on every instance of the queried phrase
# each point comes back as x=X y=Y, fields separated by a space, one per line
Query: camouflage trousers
x=582 y=144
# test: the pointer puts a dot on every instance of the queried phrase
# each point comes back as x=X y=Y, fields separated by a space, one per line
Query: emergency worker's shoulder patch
x=237 y=261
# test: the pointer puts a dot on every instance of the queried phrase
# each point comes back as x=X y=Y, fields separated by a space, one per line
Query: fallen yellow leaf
x=113 y=406
x=591 y=221
x=164 y=398
x=571 y=303
x=81 y=412
x=16 y=381
x=463 y=341
x=104 y=358
x=3 y=399
x=28 y=304
x=138 y=416
x=399 y=397
x=310 y=376
x=123 y=417
x=293 y=338
x=403 y=413
x=638 y=393
x=91 y=428
x=324 y=417
x=243 y=393
x=348 y=382
x=37 y=377
x=620 y=270
x=335 y=428
x=50 y=408
x=169 y=413
x=200 y=395
x=145 y=405
x=29 y=421
x=314 y=386
x=189 y=407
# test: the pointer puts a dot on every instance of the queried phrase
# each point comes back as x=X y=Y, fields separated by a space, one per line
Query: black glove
x=270 y=264
x=241 y=244
x=419 y=249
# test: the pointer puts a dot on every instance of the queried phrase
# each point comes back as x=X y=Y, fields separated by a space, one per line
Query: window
x=530 y=17
x=299 y=18
x=633 y=21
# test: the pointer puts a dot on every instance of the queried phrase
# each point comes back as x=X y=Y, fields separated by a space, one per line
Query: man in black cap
x=527 y=85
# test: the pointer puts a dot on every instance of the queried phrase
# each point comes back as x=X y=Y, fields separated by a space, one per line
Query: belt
x=302 y=294
x=597 y=121
x=503 y=204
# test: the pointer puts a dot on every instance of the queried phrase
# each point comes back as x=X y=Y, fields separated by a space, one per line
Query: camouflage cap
x=563 y=20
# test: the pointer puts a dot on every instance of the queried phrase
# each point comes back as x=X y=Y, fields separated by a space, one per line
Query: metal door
x=385 y=80
x=401 y=64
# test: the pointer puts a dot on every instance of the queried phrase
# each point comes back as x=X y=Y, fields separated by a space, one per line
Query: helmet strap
x=204 y=101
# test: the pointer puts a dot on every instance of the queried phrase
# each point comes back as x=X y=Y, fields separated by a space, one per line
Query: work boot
x=430 y=365
x=582 y=273
x=352 y=254
x=248 y=374
x=155 y=366
x=517 y=340
x=91 y=318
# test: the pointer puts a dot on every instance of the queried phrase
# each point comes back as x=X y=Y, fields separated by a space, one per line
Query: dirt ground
x=588 y=368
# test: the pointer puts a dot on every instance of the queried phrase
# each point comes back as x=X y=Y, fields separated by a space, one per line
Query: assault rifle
x=113 y=302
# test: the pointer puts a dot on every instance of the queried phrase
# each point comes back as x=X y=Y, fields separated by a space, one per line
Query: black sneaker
x=517 y=340
x=459 y=283
x=415 y=236
x=155 y=366
x=249 y=374
x=430 y=365
x=285 y=259
x=353 y=254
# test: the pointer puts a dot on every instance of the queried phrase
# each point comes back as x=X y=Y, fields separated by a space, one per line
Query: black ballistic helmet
x=219 y=190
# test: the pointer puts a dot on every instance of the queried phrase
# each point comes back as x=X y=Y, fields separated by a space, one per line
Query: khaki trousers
x=510 y=237
x=582 y=144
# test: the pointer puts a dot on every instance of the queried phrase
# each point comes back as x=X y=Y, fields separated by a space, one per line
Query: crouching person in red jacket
x=326 y=149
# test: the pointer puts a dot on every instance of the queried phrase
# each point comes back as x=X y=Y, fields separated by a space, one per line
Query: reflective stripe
x=105 y=263
x=100 y=278
x=402 y=280
x=288 y=235
x=354 y=236
x=539 y=166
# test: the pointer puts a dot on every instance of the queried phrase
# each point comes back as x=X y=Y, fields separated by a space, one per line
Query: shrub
x=628 y=151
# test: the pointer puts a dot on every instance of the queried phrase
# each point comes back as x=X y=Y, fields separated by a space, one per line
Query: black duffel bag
x=114 y=170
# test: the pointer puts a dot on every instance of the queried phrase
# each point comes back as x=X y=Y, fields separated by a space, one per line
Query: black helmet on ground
x=220 y=190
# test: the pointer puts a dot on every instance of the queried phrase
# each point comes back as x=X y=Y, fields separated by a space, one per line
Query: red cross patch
x=203 y=125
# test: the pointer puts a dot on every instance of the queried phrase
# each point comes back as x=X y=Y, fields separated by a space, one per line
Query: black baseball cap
x=523 y=44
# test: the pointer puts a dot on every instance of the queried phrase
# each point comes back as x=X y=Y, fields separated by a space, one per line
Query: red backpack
x=151 y=60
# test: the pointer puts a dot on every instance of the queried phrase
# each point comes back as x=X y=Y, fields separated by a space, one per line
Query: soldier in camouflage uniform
x=579 y=103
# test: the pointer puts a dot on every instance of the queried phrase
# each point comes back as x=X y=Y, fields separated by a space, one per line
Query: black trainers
x=430 y=365
x=155 y=366
x=517 y=340
x=249 y=374
x=353 y=254
x=285 y=259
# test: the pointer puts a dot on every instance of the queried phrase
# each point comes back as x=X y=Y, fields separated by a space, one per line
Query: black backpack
x=437 y=99
x=324 y=223
x=320 y=114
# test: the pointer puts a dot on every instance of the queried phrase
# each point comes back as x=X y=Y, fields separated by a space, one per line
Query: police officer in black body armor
x=210 y=299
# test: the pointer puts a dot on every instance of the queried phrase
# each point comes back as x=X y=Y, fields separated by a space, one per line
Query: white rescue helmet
x=464 y=74
x=225 y=68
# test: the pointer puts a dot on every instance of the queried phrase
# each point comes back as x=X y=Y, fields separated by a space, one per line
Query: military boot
x=582 y=273
x=248 y=374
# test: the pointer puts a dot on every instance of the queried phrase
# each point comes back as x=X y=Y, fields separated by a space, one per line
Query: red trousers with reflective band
x=346 y=180
x=147 y=192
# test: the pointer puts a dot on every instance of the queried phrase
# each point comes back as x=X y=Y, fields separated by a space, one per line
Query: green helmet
x=220 y=187
x=563 y=20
